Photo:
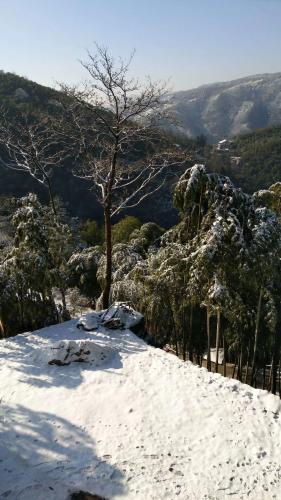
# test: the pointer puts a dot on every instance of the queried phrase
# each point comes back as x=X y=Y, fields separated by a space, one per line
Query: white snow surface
x=143 y=425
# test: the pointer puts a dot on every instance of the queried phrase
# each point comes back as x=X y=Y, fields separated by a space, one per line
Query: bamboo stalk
x=218 y=339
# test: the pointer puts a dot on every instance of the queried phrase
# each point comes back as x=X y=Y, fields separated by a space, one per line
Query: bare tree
x=114 y=122
x=31 y=145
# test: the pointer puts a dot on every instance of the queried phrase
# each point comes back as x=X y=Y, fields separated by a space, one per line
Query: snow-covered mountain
x=225 y=109
x=134 y=422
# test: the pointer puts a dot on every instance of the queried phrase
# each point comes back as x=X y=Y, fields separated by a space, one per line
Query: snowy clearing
x=143 y=424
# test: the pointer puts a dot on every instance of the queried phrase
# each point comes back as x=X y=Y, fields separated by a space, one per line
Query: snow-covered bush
x=34 y=265
x=82 y=271
x=213 y=278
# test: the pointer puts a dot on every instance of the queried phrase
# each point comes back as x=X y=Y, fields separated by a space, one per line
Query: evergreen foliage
x=214 y=280
x=33 y=266
x=122 y=230
x=91 y=233
x=82 y=271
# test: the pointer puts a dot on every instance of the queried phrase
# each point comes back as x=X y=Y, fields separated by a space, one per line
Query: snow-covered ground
x=141 y=424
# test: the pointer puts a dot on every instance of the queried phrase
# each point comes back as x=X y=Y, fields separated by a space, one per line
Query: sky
x=185 y=42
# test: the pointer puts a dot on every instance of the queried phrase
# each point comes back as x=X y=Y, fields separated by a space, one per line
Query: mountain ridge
x=226 y=109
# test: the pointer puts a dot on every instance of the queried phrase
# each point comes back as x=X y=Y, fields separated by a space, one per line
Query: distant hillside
x=253 y=160
x=19 y=93
x=226 y=109
x=259 y=152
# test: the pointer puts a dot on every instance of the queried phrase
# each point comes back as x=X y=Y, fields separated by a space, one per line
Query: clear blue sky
x=192 y=42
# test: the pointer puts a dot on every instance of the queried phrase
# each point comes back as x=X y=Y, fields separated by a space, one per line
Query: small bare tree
x=31 y=145
x=113 y=121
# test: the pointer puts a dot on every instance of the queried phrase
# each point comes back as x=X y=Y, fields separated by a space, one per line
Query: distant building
x=213 y=355
x=235 y=161
x=223 y=145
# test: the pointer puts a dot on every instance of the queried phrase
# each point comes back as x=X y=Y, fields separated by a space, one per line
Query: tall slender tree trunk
x=253 y=375
x=224 y=356
x=275 y=358
x=279 y=378
x=108 y=263
x=190 y=347
x=199 y=211
x=264 y=375
x=2 y=330
x=63 y=299
x=51 y=196
x=276 y=354
x=184 y=334
x=107 y=226
x=208 y=340
x=218 y=339
x=247 y=365
x=240 y=364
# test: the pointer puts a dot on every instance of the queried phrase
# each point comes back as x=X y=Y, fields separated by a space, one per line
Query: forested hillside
x=253 y=160
x=258 y=155
x=19 y=94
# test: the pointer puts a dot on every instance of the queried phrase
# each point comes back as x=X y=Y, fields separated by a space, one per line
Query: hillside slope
x=225 y=109
x=258 y=156
x=18 y=93
x=143 y=424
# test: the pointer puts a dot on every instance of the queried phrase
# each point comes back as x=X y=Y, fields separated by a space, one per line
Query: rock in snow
x=68 y=351
x=143 y=424
x=119 y=313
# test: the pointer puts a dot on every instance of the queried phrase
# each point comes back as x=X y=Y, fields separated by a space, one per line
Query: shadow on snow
x=46 y=456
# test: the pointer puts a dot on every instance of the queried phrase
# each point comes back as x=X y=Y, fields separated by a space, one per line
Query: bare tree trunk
x=51 y=196
x=184 y=348
x=208 y=340
x=199 y=211
x=218 y=339
x=190 y=348
x=184 y=338
x=108 y=264
x=64 y=308
x=176 y=342
x=253 y=375
x=264 y=372
x=275 y=359
x=247 y=366
x=2 y=330
x=240 y=364
x=224 y=357
x=238 y=368
x=270 y=376
x=234 y=368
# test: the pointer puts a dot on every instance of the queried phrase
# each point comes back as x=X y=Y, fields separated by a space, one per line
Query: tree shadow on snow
x=43 y=454
x=25 y=351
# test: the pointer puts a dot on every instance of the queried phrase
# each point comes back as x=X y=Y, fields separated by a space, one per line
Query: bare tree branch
x=113 y=122
x=32 y=146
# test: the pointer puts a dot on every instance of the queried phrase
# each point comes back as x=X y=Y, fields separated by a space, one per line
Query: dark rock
x=84 y=495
